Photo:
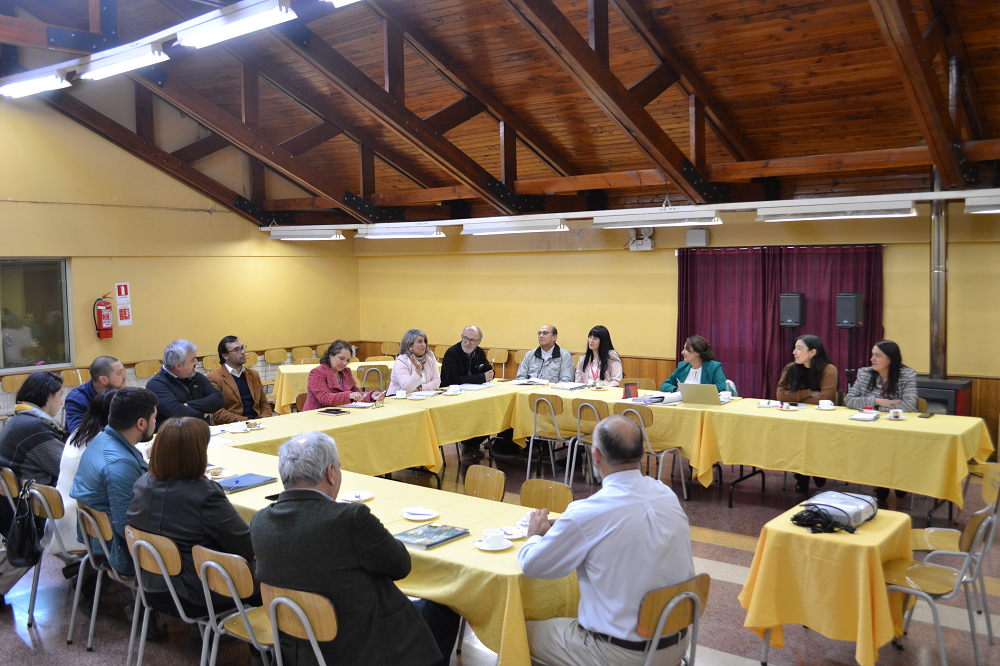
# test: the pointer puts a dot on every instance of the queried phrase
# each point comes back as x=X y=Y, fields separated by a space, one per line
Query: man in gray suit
x=307 y=541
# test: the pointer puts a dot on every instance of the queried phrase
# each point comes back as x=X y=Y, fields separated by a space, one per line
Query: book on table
x=428 y=536
x=534 y=381
x=864 y=416
x=245 y=482
x=569 y=386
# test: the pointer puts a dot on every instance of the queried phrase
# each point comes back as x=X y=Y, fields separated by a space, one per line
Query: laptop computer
x=700 y=394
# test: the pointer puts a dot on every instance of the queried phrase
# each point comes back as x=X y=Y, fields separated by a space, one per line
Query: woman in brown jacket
x=811 y=377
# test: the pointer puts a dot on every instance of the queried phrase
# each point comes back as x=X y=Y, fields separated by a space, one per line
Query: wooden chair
x=440 y=350
x=321 y=349
x=301 y=353
x=485 y=482
x=934 y=582
x=500 y=356
x=229 y=575
x=670 y=609
x=303 y=615
x=146 y=369
x=390 y=348
x=921 y=405
x=551 y=406
x=300 y=401
x=363 y=371
x=576 y=359
x=95 y=524
x=519 y=356
x=312 y=360
x=275 y=357
x=380 y=358
x=12 y=383
x=159 y=555
x=354 y=359
x=588 y=414
x=543 y=494
x=72 y=378
x=643 y=416
x=252 y=359
x=211 y=362
x=9 y=486
x=643 y=383
x=46 y=502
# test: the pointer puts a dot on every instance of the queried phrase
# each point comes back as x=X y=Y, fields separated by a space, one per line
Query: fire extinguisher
x=102 y=316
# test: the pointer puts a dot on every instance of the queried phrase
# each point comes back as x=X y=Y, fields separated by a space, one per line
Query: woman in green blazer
x=698 y=359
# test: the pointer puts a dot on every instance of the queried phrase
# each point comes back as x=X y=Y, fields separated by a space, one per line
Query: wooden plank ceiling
x=796 y=78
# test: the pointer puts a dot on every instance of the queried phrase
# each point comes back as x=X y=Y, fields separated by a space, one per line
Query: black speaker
x=792 y=310
x=850 y=309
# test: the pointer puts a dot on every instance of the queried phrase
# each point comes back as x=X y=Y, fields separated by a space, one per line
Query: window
x=33 y=313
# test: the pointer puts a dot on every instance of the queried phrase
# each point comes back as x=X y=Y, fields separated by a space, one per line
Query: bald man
x=630 y=537
x=466 y=363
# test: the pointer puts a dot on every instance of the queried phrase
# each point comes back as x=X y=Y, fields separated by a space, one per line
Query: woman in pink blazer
x=331 y=382
x=416 y=368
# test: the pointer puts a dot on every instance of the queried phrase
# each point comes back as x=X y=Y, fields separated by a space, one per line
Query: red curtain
x=731 y=297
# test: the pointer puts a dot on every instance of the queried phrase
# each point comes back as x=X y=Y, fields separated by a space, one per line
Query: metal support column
x=939 y=285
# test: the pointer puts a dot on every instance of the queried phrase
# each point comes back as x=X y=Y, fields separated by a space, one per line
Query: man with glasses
x=466 y=363
x=240 y=386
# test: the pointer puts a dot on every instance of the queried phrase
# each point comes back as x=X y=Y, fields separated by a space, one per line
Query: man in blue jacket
x=106 y=373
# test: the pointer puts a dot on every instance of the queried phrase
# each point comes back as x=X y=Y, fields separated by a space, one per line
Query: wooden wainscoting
x=986 y=404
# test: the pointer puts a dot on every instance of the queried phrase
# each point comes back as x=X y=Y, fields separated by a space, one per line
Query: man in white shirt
x=629 y=538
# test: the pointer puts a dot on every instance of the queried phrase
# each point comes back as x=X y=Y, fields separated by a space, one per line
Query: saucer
x=356 y=495
x=826 y=409
x=791 y=408
x=226 y=474
x=481 y=545
x=896 y=418
x=598 y=388
x=514 y=532
x=452 y=393
x=416 y=397
x=428 y=514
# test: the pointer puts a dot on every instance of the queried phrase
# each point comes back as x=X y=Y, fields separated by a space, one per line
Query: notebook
x=864 y=416
x=428 y=536
x=245 y=482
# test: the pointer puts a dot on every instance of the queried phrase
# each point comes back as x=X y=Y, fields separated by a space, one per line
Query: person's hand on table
x=886 y=402
x=490 y=375
x=539 y=523
x=376 y=396
x=355 y=396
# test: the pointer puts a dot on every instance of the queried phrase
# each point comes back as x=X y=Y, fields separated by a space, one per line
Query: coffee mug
x=826 y=404
x=895 y=413
x=400 y=394
x=725 y=395
x=493 y=538
x=239 y=426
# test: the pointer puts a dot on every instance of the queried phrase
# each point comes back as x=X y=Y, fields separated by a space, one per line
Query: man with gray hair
x=308 y=541
x=466 y=363
x=182 y=391
x=629 y=538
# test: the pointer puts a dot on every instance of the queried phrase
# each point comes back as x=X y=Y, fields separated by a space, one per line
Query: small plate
x=507 y=543
x=598 y=388
x=420 y=517
x=416 y=397
x=826 y=409
x=450 y=393
x=901 y=418
x=513 y=532
x=356 y=495
x=226 y=474
x=788 y=409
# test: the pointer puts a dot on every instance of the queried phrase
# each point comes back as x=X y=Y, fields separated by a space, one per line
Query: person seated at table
x=601 y=364
x=331 y=382
x=466 y=363
x=31 y=444
x=241 y=388
x=175 y=499
x=416 y=368
x=182 y=391
x=307 y=541
x=887 y=384
x=17 y=340
x=548 y=361
x=698 y=367
x=106 y=372
x=629 y=538
x=811 y=377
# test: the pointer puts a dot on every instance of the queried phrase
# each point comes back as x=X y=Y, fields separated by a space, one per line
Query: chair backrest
x=546 y=404
x=497 y=355
x=71 y=378
x=301 y=352
x=318 y=611
x=364 y=372
x=166 y=547
x=731 y=387
x=354 y=359
x=485 y=482
x=307 y=361
x=380 y=358
x=145 y=369
x=300 y=401
x=576 y=359
x=276 y=356
x=11 y=383
x=321 y=349
x=967 y=540
x=921 y=405
x=51 y=497
x=211 y=362
x=682 y=614
x=8 y=484
x=589 y=410
x=252 y=359
x=545 y=494
x=103 y=529
x=641 y=382
x=439 y=351
x=991 y=484
x=519 y=356
x=389 y=348
x=234 y=565
x=635 y=412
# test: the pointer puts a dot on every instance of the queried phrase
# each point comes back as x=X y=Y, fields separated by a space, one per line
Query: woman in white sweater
x=416 y=368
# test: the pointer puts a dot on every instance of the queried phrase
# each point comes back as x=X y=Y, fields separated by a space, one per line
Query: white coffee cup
x=801 y=405
x=493 y=538
x=826 y=404
x=400 y=394
x=239 y=426
x=895 y=413
x=725 y=395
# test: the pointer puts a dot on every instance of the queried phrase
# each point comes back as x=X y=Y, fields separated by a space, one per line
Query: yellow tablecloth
x=292 y=380
x=371 y=441
x=925 y=456
x=487 y=589
x=831 y=583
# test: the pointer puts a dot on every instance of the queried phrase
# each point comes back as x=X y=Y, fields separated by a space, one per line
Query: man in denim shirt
x=111 y=465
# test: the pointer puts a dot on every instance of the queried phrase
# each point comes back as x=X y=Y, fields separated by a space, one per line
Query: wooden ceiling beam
x=156 y=157
x=696 y=142
x=392 y=58
x=654 y=84
x=366 y=177
x=250 y=105
x=22 y=32
x=457 y=75
x=196 y=150
x=562 y=41
x=508 y=155
x=144 y=114
x=313 y=137
x=254 y=144
x=597 y=18
x=909 y=51
x=455 y=114
x=393 y=114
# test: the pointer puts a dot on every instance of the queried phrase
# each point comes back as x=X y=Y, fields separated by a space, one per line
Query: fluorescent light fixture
x=29 y=86
x=101 y=68
x=236 y=20
x=388 y=231
x=497 y=227
x=305 y=233
x=982 y=205
x=677 y=216
x=842 y=211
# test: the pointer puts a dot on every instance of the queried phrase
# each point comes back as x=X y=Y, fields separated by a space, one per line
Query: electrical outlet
x=641 y=244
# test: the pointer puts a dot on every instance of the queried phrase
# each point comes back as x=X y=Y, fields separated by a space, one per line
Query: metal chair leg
x=461 y=635
x=972 y=622
x=34 y=590
x=986 y=608
x=531 y=446
x=767 y=645
x=93 y=613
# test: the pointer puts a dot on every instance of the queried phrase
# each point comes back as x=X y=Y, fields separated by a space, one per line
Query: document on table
x=474 y=387
x=538 y=381
x=426 y=394
x=655 y=398
x=358 y=405
x=569 y=386
x=864 y=416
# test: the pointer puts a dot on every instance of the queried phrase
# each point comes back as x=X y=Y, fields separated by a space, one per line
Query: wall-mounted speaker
x=792 y=309
x=850 y=309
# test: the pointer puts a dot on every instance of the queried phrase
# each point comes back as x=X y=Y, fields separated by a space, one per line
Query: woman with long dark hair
x=698 y=367
x=601 y=364
x=811 y=377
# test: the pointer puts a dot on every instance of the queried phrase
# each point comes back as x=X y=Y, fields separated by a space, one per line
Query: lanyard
x=595 y=369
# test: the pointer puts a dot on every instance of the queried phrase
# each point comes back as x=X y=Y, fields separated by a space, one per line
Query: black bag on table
x=24 y=540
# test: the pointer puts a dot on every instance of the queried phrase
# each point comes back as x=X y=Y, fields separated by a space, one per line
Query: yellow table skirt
x=453 y=418
x=292 y=380
x=487 y=589
x=831 y=583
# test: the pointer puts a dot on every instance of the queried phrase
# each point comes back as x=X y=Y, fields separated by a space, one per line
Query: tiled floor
x=724 y=540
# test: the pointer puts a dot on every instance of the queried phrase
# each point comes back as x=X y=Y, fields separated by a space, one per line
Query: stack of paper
x=769 y=403
x=864 y=416
x=473 y=387
x=569 y=386
x=534 y=380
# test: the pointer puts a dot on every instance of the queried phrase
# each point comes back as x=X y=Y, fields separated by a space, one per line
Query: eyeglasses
x=543 y=333
x=237 y=350
x=470 y=341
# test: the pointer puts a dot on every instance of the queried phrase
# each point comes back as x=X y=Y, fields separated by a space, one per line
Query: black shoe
x=471 y=454
x=900 y=494
x=71 y=570
x=802 y=487
x=820 y=481
x=505 y=447
x=882 y=494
